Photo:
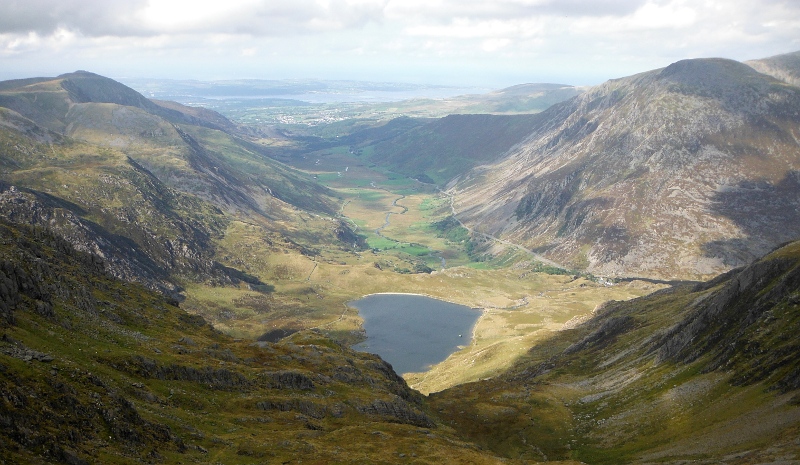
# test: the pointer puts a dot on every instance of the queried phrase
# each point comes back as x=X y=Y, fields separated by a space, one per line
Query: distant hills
x=436 y=151
x=785 y=67
x=519 y=99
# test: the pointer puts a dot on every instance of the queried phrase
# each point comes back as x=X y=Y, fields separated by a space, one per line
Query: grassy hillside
x=159 y=197
x=443 y=149
x=163 y=182
x=108 y=204
x=697 y=373
x=181 y=146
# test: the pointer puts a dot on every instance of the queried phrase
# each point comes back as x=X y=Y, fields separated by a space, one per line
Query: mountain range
x=112 y=204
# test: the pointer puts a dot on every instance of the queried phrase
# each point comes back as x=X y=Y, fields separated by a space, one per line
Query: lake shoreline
x=412 y=331
x=483 y=310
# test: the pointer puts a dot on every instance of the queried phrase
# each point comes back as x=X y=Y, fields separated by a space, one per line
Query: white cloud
x=494 y=45
x=463 y=28
x=90 y=17
x=650 y=16
x=141 y=17
x=574 y=41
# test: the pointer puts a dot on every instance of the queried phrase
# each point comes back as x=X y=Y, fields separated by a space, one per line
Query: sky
x=452 y=42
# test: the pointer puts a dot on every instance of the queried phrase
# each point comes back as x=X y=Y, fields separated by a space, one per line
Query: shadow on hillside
x=767 y=214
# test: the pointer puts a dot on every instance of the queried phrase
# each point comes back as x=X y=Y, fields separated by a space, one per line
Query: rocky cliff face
x=685 y=171
x=121 y=258
x=742 y=327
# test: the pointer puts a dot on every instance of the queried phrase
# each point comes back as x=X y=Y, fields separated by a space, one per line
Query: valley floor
x=401 y=222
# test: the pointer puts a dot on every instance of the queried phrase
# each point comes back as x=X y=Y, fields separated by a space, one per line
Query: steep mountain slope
x=148 y=187
x=96 y=370
x=681 y=172
x=703 y=373
x=181 y=146
x=785 y=67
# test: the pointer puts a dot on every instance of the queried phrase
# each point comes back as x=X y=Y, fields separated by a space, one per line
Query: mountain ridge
x=608 y=163
x=105 y=166
x=785 y=67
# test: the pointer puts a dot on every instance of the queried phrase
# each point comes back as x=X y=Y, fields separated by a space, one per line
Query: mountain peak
x=80 y=73
x=87 y=87
x=712 y=76
x=611 y=176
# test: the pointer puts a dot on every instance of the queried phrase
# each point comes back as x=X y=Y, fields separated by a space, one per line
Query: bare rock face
x=125 y=261
x=396 y=410
x=682 y=172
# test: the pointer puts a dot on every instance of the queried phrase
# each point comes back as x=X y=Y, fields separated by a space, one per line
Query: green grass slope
x=106 y=203
x=97 y=370
x=703 y=373
x=443 y=149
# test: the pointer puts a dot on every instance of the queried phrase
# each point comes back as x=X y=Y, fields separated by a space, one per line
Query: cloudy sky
x=458 y=42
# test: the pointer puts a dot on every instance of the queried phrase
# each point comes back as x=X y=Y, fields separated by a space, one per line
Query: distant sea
x=366 y=96
x=309 y=91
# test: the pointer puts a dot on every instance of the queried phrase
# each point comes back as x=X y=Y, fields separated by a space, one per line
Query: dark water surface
x=413 y=332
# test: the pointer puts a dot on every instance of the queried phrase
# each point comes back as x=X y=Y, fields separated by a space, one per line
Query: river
x=413 y=332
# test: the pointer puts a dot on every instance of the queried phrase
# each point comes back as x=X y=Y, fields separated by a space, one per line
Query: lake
x=413 y=332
